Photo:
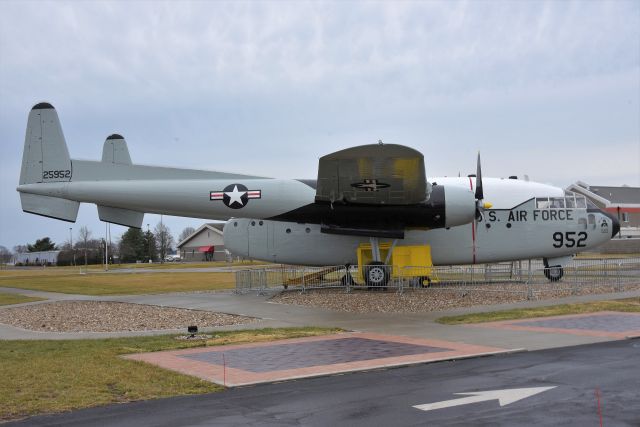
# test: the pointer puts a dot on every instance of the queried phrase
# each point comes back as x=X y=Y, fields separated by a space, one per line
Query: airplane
x=376 y=194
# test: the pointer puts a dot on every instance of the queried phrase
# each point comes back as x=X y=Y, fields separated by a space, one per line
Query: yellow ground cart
x=404 y=262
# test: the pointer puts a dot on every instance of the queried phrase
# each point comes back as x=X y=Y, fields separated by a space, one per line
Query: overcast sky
x=548 y=89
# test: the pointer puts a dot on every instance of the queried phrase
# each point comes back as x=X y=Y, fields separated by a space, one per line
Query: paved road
x=387 y=397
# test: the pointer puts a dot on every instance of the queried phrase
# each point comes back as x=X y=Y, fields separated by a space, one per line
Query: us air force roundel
x=370 y=185
x=235 y=196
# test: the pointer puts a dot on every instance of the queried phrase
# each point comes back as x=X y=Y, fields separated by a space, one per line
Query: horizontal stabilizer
x=125 y=217
x=115 y=150
x=52 y=207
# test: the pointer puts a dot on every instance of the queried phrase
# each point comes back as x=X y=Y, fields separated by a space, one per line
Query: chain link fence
x=529 y=278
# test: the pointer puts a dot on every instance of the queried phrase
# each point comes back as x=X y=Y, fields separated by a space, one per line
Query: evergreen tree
x=44 y=244
x=133 y=246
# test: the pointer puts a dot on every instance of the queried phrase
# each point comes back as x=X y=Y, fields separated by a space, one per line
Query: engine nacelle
x=460 y=206
x=445 y=207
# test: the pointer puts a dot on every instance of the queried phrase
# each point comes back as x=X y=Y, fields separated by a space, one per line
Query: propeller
x=479 y=192
x=480 y=204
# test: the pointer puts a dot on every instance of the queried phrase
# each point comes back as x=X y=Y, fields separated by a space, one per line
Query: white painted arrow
x=505 y=397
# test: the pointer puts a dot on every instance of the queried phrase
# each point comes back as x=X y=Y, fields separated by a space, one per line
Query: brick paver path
x=279 y=357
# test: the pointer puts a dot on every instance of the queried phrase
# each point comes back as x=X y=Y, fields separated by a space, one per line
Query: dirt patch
x=102 y=316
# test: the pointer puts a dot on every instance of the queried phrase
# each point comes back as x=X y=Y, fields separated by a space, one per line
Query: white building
x=204 y=244
x=36 y=258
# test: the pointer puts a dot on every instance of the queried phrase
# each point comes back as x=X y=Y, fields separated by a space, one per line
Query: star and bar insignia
x=235 y=196
x=370 y=185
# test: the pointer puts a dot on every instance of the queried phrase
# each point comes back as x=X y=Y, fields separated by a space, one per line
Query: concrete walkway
x=418 y=325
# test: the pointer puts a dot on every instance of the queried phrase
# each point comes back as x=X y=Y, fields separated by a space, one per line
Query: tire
x=554 y=273
x=425 y=281
x=376 y=275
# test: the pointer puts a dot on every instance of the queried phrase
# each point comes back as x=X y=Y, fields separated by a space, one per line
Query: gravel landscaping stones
x=102 y=316
x=434 y=299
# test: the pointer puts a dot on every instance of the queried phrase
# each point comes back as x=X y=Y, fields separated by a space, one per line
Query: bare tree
x=5 y=255
x=84 y=234
x=164 y=240
x=188 y=231
x=20 y=249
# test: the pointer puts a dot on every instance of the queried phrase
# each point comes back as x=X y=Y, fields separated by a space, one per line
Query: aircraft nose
x=615 y=224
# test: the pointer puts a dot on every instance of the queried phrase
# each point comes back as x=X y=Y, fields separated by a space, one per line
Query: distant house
x=204 y=244
x=624 y=202
x=36 y=258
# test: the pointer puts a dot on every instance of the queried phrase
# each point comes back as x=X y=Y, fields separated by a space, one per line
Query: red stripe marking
x=615 y=209
x=473 y=228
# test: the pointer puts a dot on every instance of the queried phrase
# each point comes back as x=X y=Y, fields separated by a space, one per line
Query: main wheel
x=554 y=273
x=376 y=275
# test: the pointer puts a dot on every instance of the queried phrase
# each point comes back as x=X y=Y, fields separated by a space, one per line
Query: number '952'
x=569 y=239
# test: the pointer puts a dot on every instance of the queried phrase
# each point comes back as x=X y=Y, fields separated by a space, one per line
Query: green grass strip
x=626 y=305
x=52 y=376
x=8 y=299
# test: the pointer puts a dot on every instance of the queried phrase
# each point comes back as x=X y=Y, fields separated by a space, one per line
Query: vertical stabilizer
x=45 y=157
x=115 y=150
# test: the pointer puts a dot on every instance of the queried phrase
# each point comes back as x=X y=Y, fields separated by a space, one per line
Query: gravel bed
x=433 y=299
x=102 y=316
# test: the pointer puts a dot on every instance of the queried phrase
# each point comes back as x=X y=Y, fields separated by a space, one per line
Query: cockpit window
x=570 y=201
x=542 y=202
x=591 y=205
x=557 y=202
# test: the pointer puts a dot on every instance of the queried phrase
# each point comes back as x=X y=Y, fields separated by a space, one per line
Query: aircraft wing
x=375 y=174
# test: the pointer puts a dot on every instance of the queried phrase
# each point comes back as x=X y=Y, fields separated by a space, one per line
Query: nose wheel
x=554 y=273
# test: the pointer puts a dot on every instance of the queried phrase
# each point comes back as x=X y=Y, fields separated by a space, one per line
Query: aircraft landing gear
x=376 y=275
x=554 y=267
x=424 y=281
x=554 y=273
x=347 y=279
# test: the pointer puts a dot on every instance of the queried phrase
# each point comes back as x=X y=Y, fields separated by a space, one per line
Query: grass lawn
x=35 y=271
x=53 y=376
x=120 y=284
x=8 y=299
x=180 y=265
x=627 y=305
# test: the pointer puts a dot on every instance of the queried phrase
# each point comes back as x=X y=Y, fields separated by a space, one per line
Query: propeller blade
x=479 y=192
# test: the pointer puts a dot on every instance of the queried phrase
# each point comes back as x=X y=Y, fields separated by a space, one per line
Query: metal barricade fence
x=289 y=277
x=520 y=277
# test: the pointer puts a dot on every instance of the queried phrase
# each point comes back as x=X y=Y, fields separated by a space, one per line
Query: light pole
x=162 y=242
x=71 y=244
x=149 y=241
x=106 y=246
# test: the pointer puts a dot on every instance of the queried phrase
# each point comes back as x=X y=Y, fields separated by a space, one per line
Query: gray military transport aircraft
x=377 y=194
